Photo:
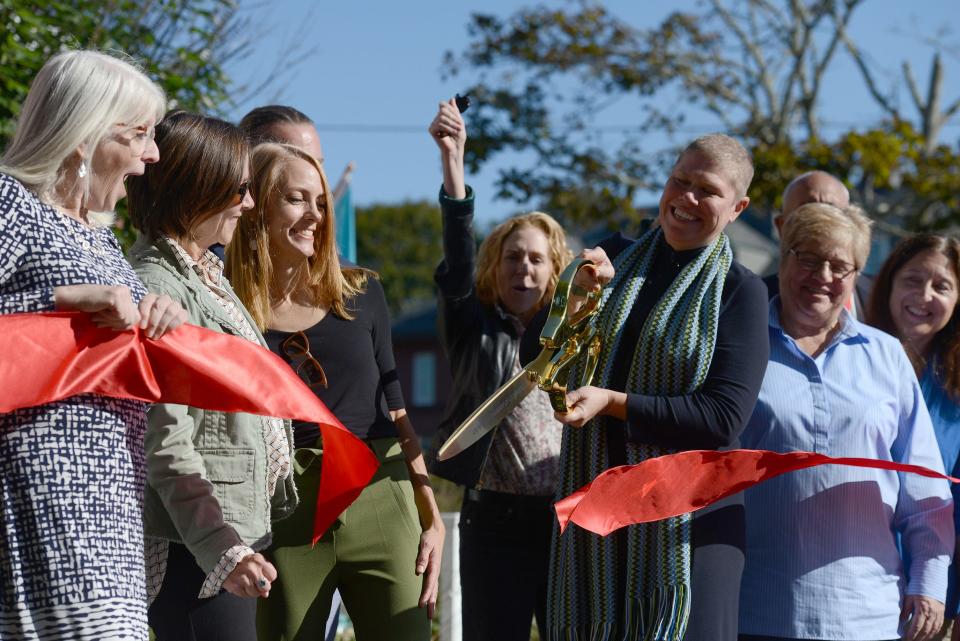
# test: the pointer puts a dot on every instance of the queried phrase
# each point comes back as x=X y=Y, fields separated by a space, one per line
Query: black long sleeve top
x=713 y=416
x=357 y=357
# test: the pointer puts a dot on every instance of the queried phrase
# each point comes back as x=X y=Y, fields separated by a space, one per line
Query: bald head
x=812 y=187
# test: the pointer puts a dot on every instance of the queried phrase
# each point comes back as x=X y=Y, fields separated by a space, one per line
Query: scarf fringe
x=662 y=617
x=594 y=632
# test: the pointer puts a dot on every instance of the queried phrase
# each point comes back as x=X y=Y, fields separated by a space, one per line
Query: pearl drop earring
x=82 y=170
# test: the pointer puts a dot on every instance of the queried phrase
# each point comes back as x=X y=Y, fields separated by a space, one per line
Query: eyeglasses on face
x=136 y=137
x=812 y=262
x=297 y=346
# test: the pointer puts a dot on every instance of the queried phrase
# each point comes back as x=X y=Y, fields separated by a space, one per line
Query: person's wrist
x=436 y=522
x=616 y=405
x=434 y=511
x=430 y=520
x=454 y=153
x=61 y=296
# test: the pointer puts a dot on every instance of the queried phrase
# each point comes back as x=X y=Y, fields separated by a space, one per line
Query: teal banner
x=346 y=225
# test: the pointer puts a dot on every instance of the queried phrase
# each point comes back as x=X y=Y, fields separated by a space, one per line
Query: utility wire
x=360 y=128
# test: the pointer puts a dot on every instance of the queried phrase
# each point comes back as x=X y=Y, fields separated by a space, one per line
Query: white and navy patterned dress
x=72 y=472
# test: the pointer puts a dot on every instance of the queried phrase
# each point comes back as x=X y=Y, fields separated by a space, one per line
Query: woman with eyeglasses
x=215 y=480
x=71 y=471
x=915 y=299
x=330 y=322
x=823 y=559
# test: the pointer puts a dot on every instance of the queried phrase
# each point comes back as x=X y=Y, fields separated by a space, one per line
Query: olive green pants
x=369 y=553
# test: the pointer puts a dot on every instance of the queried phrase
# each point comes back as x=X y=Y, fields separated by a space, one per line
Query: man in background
x=280 y=123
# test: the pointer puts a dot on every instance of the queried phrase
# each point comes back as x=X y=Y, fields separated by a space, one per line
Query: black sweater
x=357 y=357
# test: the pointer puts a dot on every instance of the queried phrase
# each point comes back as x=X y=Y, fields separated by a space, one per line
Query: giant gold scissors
x=563 y=338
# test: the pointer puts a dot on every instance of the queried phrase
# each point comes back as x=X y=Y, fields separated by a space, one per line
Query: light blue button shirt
x=822 y=558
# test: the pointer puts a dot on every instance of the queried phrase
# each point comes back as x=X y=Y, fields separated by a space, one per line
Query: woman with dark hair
x=486 y=298
x=330 y=323
x=71 y=472
x=215 y=480
x=915 y=299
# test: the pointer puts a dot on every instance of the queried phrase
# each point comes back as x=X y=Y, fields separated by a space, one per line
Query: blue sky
x=378 y=63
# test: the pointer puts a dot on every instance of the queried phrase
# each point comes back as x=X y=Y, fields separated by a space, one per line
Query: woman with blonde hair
x=510 y=474
x=72 y=471
x=330 y=323
x=839 y=387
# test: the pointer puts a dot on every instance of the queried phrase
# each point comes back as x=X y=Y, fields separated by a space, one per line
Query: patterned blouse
x=72 y=472
x=525 y=452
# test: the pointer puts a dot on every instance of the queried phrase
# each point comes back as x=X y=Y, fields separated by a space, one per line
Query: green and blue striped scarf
x=672 y=358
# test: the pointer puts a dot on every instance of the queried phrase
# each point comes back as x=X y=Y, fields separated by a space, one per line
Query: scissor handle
x=554 y=379
x=558 y=326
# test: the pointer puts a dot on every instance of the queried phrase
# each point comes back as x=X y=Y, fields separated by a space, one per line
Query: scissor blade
x=494 y=409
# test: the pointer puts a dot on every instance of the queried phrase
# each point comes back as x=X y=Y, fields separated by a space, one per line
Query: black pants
x=717 y=541
x=504 y=561
x=178 y=615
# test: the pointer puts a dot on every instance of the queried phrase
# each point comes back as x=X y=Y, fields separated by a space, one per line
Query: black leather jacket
x=480 y=341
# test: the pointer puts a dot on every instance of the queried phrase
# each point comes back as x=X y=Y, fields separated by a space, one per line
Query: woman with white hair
x=72 y=471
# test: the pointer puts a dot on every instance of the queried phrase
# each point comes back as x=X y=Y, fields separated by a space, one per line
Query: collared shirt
x=822 y=559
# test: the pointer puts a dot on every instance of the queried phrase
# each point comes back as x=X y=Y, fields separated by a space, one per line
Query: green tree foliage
x=547 y=78
x=402 y=244
x=896 y=175
x=183 y=44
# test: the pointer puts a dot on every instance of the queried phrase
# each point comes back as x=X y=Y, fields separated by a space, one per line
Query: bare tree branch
x=820 y=67
x=912 y=85
x=858 y=59
x=750 y=46
x=950 y=111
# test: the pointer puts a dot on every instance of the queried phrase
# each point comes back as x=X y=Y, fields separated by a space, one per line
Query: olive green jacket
x=206 y=471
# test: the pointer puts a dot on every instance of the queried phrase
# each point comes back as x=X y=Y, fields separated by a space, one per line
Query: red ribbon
x=687 y=481
x=49 y=357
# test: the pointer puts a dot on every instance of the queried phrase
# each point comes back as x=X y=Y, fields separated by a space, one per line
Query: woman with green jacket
x=214 y=480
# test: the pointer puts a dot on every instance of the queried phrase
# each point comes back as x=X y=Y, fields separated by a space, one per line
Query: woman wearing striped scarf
x=684 y=351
